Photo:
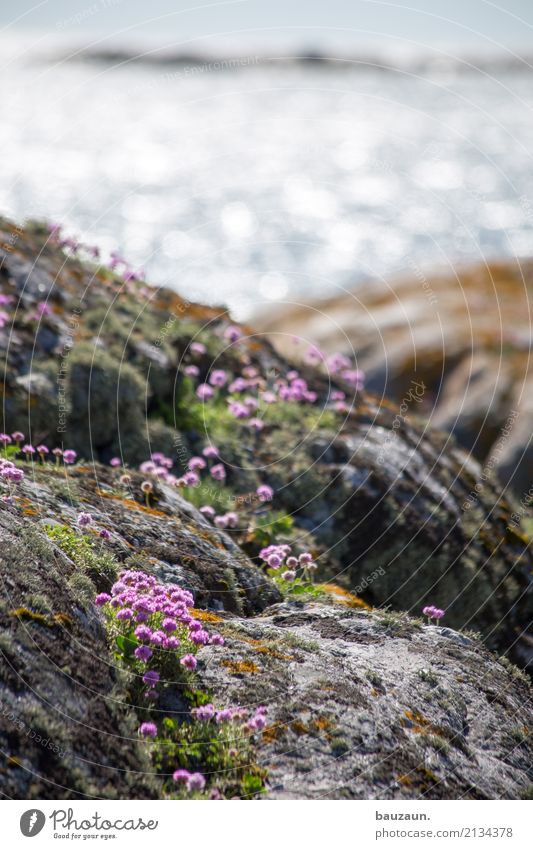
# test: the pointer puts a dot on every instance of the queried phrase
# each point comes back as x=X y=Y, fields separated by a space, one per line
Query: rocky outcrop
x=374 y=705
x=395 y=509
x=466 y=335
x=360 y=703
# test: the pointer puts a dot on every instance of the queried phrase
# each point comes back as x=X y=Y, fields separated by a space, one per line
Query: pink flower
x=210 y=451
x=151 y=677
x=208 y=511
x=232 y=333
x=195 y=782
x=289 y=575
x=191 y=479
x=256 y=424
x=265 y=492
x=5 y=439
x=204 y=392
x=84 y=519
x=115 y=462
x=101 y=599
x=218 y=472
x=218 y=377
x=17 y=436
x=148 y=729
x=181 y=775
x=196 y=463
x=197 y=348
x=104 y=534
x=189 y=662
x=143 y=653
x=191 y=371
x=69 y=456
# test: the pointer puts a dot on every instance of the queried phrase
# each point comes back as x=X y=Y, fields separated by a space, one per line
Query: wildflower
x=5 y=439
x=148 y=729
x=265 y=492
x=208 y=511
x=196 y=463
x=28 y=450
x=104 y=534
x=197 y=348
x=204 y=392
x=204 y=713
x=102 y=598
x=232 y=333
x=12 y=474
x=169 y=625
x=232 y=519
x=58 y=453
x=256 y=424
x=354 y=377
x=84 y=519
x=18 y=436
x=218 y=378
x=191 y=479
x=151 y=678
x=143 y=653
x=292 y=562
x=69 y=456
x=289 y=575
x=181 y=775
x=218 y=472
x=314 y=354
x=125 y=480
x=42 y=451
x=189 y=662
x=210 y=451
x=224 y=715
x=238 y=385
x=115 y=462
x=216 y=640
x=337 y=362
x=158 y=638
x=433 y=613
x=191 y=371
x=125 y=613
x=143 y=632
x=257 y=723
x=147 y=488
x=195 y=781
x=221 y=522
x=305 y=559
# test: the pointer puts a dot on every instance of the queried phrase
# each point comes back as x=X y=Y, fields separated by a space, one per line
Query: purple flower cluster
x=280 y=557
x=433 y=613
x=157 y=618
x=194 y=781
x=235 y=714
x=69 y=456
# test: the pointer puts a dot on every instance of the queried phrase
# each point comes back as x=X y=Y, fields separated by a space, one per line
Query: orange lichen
x=342 y=596
x=205 y=615
x=241 y=667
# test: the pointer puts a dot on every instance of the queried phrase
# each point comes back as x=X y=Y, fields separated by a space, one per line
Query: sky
x=311 y=23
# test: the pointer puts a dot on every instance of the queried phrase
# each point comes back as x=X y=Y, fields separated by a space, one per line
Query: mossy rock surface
x=395 y=507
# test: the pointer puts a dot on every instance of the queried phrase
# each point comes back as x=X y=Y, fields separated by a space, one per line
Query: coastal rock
x=394 y=509
x=466 y=335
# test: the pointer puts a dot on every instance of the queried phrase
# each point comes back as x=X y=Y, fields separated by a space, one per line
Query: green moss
x=99 y=566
